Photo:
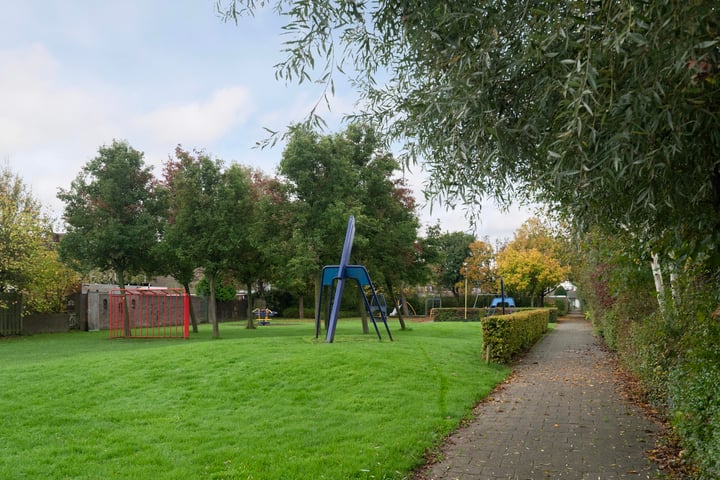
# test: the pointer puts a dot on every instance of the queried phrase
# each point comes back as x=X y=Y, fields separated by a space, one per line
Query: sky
x=76 y=75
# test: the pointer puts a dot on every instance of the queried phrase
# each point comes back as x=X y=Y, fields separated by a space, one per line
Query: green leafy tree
x=287 y=263
x=451 y=249
x=331 y=177
x=224 y=292
x=323 y=186
x=28 y=257
x=24 y=231
x=112 y=215
x=51 y=282
x=388 y=228
x=246 y=258
x=208 y=205
x=174 y=251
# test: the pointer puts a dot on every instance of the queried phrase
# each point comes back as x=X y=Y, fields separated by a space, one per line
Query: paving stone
x=560 y=416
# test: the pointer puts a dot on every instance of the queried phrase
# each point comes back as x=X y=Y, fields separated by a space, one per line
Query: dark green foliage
x=329 y=178
x=112 y=214
x=457 y=314
x=558 y=304
x=673 y=351
x=223 y=292
x=294 y=312
x=451 y=249
x=695 y=393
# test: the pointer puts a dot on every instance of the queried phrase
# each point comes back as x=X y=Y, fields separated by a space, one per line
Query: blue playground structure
x=336 y=275
x=501 y=302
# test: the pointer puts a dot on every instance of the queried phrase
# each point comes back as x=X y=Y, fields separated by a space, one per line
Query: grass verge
x=271 y=403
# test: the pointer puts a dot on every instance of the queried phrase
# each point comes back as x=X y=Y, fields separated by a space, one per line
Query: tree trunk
x=301 y=307
x=193 y=320
x=659 y=284
x=250 y=314
x=212 y=308
x=363 y=312
x=123 y=299
x=393 y=302
x=405 y=309
x=674 y=288
x=318 y=290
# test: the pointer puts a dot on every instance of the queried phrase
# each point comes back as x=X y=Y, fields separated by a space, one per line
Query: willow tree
x=606 y=109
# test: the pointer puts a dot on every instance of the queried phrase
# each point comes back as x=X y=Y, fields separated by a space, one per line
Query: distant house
x=569 y=296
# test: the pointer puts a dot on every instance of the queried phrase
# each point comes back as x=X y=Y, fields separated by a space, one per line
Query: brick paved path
x=560 y=416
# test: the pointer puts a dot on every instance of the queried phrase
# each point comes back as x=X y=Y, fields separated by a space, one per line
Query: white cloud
x=199 y=122
x=75 y=78
x=36 y=110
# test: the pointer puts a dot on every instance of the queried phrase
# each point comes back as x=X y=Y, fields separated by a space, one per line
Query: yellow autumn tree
x=478 y=268
x=531 y=264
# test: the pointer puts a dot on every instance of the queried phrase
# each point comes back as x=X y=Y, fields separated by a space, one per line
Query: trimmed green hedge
x=457 y=314
x=504 y=336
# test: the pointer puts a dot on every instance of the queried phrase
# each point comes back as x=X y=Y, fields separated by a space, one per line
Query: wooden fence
x=10 y=314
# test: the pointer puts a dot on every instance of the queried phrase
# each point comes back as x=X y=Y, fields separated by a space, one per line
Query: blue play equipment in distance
x=501 y=303
x=337 y=274
x=498 y=302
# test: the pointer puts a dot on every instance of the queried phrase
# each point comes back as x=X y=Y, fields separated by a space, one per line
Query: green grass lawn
x=271 y=403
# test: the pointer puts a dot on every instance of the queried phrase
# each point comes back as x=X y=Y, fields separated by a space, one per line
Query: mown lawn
x=271 y=403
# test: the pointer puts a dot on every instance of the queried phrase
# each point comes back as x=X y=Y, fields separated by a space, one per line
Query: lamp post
x=466 y=285
x=502 y=294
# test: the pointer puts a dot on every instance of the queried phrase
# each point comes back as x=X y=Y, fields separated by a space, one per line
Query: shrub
x=223 y=292
x=504 y=336
x=457 y=314
x=695 y=408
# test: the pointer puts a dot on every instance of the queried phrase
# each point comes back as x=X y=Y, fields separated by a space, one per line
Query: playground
x=271 y=403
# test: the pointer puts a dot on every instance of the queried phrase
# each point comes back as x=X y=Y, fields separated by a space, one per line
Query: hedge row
x=457 y=314
x=477 y=314
x=504 y=336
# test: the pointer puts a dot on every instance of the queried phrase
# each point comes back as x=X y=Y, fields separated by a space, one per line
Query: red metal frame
x=152 y=313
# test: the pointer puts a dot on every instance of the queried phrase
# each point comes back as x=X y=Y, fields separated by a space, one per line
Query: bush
x=504 y=336
x=223 y=292
x=695 y=408
x=676 y=356
x=477 y=314
x=457 y=314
